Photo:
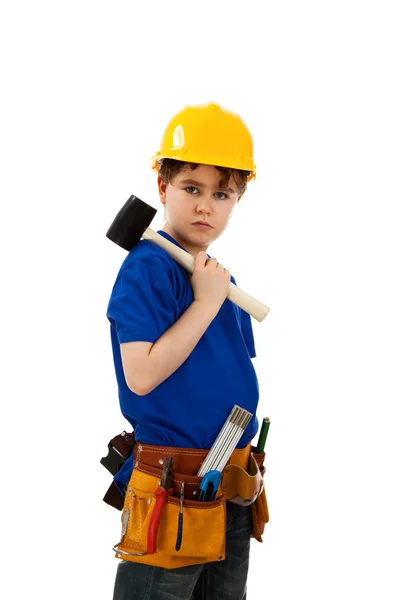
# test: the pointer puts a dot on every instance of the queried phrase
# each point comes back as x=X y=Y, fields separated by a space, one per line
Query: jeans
x=225 y=580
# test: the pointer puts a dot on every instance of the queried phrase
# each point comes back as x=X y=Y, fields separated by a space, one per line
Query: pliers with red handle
x=161 y=498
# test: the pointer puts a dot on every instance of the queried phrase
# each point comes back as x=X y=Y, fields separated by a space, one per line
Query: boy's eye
x=191 y=189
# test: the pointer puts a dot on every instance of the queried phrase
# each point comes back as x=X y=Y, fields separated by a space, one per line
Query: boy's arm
x=147 y=365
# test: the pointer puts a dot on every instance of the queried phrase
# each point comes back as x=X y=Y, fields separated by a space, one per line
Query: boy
x=182 y=351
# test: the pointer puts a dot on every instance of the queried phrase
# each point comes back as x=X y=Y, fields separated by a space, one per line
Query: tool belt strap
x=185 y=460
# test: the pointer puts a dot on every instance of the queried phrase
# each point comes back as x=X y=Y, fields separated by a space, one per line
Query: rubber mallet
x=132 y=223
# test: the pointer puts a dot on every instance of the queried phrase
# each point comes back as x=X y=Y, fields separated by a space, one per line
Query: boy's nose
x=205 y=206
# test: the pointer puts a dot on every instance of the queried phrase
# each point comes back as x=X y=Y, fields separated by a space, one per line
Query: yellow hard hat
x=208 y=134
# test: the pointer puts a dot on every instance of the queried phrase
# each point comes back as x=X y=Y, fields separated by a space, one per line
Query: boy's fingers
x=224 y=271
x=212 y=262
x=200 y=259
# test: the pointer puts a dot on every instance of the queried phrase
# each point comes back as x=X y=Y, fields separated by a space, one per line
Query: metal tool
x=180 y=518
x=220 y=451
x=161 y=498
x=226 y=441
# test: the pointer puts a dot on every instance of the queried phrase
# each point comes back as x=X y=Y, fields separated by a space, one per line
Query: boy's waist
x=241 y=476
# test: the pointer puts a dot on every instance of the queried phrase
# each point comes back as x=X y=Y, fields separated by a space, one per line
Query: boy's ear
x=162 y=189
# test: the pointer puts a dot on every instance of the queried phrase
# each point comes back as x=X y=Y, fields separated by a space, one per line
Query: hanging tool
x=119 y=450
x=263 y=435
x=180 y=518
x=161 y=494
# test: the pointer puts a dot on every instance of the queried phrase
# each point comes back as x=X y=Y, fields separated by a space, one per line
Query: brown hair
x=170 y=168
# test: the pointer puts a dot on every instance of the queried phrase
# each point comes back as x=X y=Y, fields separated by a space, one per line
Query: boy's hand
x=210 y=281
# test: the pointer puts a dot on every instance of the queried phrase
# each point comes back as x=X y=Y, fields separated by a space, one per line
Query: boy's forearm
x=172 y=349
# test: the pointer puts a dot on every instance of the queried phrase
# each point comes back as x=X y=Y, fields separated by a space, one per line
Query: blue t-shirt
x=190 y=407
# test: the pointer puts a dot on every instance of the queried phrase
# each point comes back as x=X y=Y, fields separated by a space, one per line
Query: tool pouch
x=245 y=486
x=204 y=523
x=260 y=514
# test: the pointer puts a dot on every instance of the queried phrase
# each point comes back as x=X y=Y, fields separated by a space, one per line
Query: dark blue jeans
x=225 y=580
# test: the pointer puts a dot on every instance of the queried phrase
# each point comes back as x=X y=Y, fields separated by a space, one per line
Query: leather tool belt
x=199 y=526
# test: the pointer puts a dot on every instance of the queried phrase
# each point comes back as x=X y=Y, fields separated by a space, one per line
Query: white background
x=87 y=89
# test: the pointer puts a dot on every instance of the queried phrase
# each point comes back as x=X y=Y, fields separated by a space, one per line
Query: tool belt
x=203 y=524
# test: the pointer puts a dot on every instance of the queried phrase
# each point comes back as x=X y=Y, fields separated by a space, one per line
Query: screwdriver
x=180 y=519
x=263 y=435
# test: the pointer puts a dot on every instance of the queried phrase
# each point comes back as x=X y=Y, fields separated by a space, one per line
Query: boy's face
x=197 y=208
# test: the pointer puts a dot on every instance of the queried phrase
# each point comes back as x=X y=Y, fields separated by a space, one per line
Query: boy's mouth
x=202 y=225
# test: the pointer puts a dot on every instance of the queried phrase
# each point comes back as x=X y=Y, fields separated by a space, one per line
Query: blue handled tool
x=209 y=485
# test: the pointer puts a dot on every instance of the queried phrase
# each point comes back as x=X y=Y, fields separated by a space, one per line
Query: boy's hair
x=170 y=168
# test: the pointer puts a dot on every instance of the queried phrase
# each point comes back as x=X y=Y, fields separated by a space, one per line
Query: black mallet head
x=130 y=223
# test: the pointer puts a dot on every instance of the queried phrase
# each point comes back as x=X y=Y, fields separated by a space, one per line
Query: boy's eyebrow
x=199 y=184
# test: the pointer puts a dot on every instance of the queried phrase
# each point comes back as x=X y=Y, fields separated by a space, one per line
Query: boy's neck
x=193 y=250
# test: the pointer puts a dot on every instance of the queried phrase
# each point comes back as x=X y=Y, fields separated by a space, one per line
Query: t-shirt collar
x=170 y=238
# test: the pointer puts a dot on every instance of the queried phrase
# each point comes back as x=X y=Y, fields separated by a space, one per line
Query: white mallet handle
x=256 y=309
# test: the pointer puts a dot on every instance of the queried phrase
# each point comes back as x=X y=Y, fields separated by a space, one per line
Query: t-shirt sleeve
x=247 y=331
x=143 y=305
x=246 y=328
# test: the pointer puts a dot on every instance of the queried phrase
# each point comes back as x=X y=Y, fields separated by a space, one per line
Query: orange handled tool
x=161 y=498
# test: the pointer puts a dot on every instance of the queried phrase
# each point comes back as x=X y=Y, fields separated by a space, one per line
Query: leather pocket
x=242 y=486
x=259 y=509
x=136 y=513
x=203 y=529
x=260 y=516
x=203 y=523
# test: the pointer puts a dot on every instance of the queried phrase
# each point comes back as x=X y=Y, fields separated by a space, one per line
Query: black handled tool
x=180 y=519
